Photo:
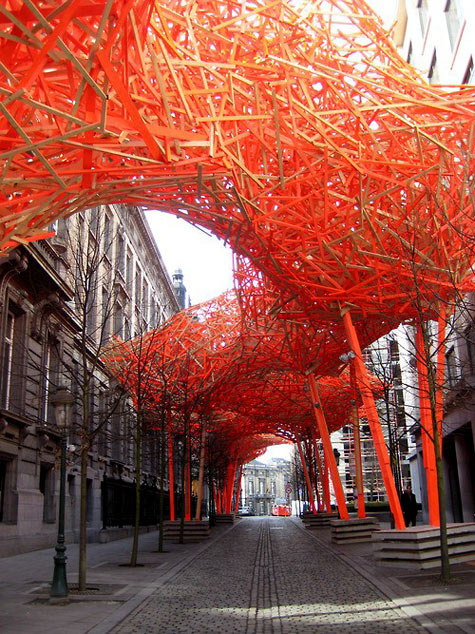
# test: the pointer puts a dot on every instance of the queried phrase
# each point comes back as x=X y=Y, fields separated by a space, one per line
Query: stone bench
x=419 y=546
x=194 y=531
x=224 y=518
x=317 y=520
x=353 y=530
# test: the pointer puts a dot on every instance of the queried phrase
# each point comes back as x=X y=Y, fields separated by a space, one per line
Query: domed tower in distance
x=180 y=288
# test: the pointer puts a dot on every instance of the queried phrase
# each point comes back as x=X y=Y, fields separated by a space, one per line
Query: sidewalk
x=440 y=609
x=116 y=589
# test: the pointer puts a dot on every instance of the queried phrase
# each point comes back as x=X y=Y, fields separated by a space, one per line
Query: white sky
x=205 y=261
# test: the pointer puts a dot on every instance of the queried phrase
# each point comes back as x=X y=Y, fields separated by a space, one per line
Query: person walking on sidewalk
x=409 y=506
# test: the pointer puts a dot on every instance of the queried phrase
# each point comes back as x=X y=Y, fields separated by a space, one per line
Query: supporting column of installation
x=171 y=483
x=428 y=452
x=327 y=449
x=357 y=447
x=305 y=470
x=229 y=487
x=202 y=473
x=440 y=372
x=374 y=424
x=187 y=492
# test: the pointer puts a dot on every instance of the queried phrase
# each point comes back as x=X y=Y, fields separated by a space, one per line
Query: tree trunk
x=445 y=574
x=162 y=484
x=83 y=490
x=83 y=516
x=183 y=467
x=138 y=468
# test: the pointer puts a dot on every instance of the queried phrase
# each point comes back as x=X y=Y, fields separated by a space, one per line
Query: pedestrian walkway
x=263 y=575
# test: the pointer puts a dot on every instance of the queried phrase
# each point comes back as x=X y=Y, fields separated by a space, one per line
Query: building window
x=409 y=53
x=422 y=5
x=107 y=237
x=3 y=472
x=452 y=18
x=116 y=436
x=451 y=366
x=262 y=486
x=145 y=302
x=470 y=343
x=50 y=379
x=469 y=77
x=128 y=270
x=250 y=487
x=120 y=257
x=13 y=371
x=433 y=74
x=118 y=321
x=47 y=489
x=138 y=288
x=8 y=359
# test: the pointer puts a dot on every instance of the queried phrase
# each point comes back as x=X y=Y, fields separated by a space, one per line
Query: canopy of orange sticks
x=242 y=383
x=292 y=129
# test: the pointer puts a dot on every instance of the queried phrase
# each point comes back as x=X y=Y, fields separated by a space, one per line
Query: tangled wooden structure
x=208 y=372
x=292 y=130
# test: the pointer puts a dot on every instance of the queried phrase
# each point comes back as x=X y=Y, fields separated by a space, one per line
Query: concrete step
x=317 y=520
x=419 y=547
x=194 y=531
x=353 y=530
x=224 y=518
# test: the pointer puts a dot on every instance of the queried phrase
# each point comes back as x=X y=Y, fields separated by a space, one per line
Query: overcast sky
x=205 y=261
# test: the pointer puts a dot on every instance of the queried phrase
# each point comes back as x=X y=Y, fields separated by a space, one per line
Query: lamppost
x=61 y=400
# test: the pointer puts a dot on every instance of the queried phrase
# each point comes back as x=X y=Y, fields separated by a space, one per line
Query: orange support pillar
x=326 y=489
x=171 y=484
x=426 y=430
x=231 y=476
x=357 y=447
x=201 y=472
x=187 y=491
x=440 y=372
x=374 y=424
x=307 y=478
x=327 y=449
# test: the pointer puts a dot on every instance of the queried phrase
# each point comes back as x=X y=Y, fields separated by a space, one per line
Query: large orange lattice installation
x=291 y=129
x=228 y=378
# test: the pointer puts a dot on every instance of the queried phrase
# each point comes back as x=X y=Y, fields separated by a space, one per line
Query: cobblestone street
x=267 y=576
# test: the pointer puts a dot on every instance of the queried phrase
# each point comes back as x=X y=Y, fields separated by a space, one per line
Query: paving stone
x=261 y=581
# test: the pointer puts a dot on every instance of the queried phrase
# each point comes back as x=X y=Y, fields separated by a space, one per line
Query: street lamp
x=61 y=400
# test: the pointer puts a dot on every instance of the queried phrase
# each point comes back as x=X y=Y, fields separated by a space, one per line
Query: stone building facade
x=263 y=484
x=61 y=300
